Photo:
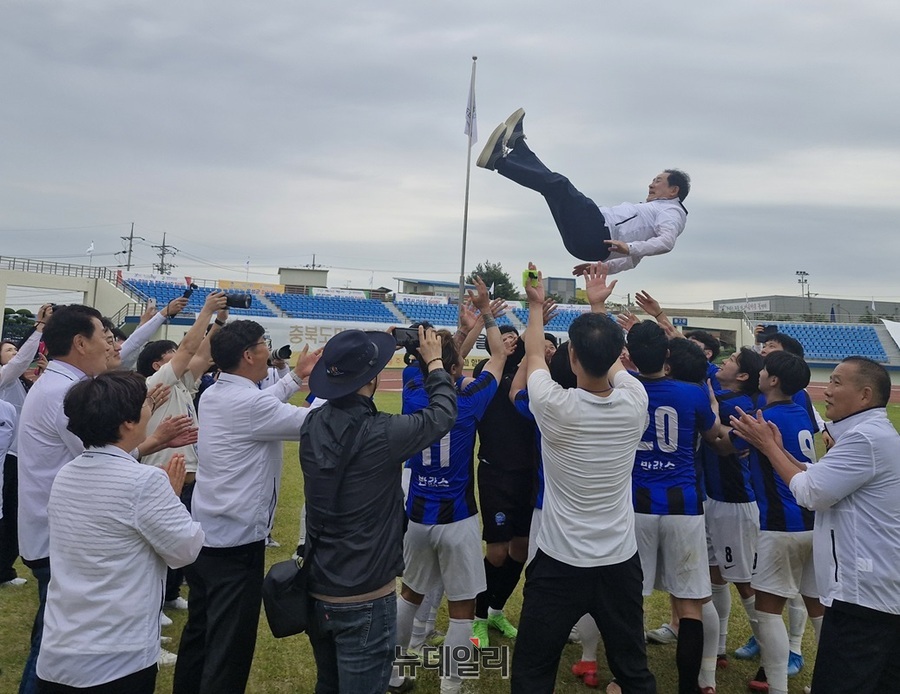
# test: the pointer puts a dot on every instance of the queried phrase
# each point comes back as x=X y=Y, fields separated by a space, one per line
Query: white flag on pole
x=873 y=305
x=471 y=128
x=491 y=290
x=90 y=250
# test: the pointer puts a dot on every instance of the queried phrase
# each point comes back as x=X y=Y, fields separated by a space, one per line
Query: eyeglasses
x=254 y=344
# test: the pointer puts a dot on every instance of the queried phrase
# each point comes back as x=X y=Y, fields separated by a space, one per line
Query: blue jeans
x=28 y=684
x=353 y=644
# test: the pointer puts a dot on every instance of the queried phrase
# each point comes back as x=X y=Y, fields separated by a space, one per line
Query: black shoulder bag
x=285 y=588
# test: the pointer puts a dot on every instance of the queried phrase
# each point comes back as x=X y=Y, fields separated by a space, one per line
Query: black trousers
x=577 y=217
x=174 y=577
x=219 y=639
x=9 y=526
x=859 y=651
x=140 y=682
x=556 y=595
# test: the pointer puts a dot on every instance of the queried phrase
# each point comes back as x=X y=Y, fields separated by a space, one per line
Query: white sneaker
x=166 y=657
x=165 y=639
x=272 y=543
x=178 y=603
x=665 y=634
x=164 y=620
x=17 y=581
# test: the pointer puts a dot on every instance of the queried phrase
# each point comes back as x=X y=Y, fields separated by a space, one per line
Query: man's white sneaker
x=665 y=634
x=166 y=657
x=17 y=581
x=164 y=620
x=178 y=603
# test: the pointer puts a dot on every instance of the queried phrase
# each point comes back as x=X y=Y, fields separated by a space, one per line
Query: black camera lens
x=239 y=300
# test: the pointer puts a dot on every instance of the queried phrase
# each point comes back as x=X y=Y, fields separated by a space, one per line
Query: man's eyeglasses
x=254 y=344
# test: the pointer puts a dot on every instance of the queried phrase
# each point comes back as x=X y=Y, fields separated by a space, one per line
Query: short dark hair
x=561 y=367
x=228 y=345
x=788 y=343
x=151 y=353
x=97 y=407
x=874 y=375
x=449 y=353
x=597 y=341
x=647 y=346
x=113 y=330
x=686 y=361
x=682 y=180
x=792 y=372
x=551 y=338
x=503 y=330
x=749 y=362
x=64 y=324
x=707 y=340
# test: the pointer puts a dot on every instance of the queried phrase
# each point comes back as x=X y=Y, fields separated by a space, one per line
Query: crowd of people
x=620 y=462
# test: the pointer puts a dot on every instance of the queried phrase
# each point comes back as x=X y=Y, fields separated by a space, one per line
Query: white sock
x=459 y=634
x=773 y=641
x=750 y=608
x=419 y=632
x=721 y=598
x=590 y=637
x=817 y=627
x=433 y=599
x=710 y=619
x=406 y=613
x=492 y=612
x=797 y=623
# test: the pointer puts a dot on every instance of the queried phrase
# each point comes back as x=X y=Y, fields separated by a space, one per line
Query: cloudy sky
x=282 y=131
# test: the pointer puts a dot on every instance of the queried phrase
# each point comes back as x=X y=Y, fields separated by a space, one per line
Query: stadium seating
x=833 y=341
x=439 y=315
x=332 y=308
x=164 y=292
x=559 y=323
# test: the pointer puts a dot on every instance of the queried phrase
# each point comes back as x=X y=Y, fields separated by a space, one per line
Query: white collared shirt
x=240 y=451
x=114 y=526
x=649 y=228
x=44 y=446
x=855 y=491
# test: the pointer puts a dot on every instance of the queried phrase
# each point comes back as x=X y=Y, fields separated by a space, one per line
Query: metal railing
x=71 y=270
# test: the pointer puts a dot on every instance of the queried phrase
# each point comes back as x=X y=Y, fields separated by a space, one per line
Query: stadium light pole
x=803 y=280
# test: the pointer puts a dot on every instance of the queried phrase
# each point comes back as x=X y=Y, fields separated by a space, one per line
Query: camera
x=239 y=300
x=407 y=337
x=281 y=354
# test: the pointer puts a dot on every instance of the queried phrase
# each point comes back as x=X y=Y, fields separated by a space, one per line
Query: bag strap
x=342 y=466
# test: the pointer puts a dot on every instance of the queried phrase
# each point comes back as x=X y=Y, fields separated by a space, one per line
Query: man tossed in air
x=619 y=235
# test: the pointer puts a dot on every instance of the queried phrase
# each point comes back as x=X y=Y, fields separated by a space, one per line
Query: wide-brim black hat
x=349 y=361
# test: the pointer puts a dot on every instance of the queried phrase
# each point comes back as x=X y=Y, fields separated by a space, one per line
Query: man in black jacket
x=356 y=519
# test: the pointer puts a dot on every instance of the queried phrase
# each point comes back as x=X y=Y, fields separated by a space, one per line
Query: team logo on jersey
x=500 y=518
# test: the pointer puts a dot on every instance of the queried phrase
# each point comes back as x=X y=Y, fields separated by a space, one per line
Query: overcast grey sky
x=277 y=130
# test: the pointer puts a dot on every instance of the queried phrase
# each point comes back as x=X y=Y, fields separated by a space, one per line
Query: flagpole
x=472 y=132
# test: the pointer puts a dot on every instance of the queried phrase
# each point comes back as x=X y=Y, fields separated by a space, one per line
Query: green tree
x=493 y=274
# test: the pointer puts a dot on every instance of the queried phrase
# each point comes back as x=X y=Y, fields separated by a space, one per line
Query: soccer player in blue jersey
x=711 y=348
x=732 y=516
x=443 y=541
x=668 y=504
x=784 y=565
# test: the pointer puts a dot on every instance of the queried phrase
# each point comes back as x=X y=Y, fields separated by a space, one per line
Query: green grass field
x=287 y=666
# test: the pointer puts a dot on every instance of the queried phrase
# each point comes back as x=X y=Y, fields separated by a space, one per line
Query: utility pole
x=130 y=238
x=163 y=267
x=313 y=266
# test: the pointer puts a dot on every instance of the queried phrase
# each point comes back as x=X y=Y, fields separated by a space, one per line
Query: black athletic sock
x=493 y=576
x=688 y=654
x=509 y=579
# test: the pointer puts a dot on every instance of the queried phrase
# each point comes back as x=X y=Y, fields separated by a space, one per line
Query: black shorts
x=505 y=499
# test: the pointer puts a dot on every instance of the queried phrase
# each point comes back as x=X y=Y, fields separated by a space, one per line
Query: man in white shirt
x=855 y=491
x=623 y=234
x=587 y=559
x=238 y=477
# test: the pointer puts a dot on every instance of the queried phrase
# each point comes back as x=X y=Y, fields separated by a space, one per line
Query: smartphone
x=407 y=337
x=529 y=276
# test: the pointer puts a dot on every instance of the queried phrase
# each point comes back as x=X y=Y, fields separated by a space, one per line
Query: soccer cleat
x=271 y=542
x=795 y=664
x=499 y=622
x=583 y=667
x=759 y=683
x=493 y=149
x=480 y=633
x=749 y=650
x=722 y=661
x=514 y=129
x=665 y=634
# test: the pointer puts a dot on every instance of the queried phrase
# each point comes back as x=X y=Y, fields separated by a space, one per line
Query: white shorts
x=673 y=555
x=731 y=531
x=784 y=564
x=532 y=535
x=450 y=553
